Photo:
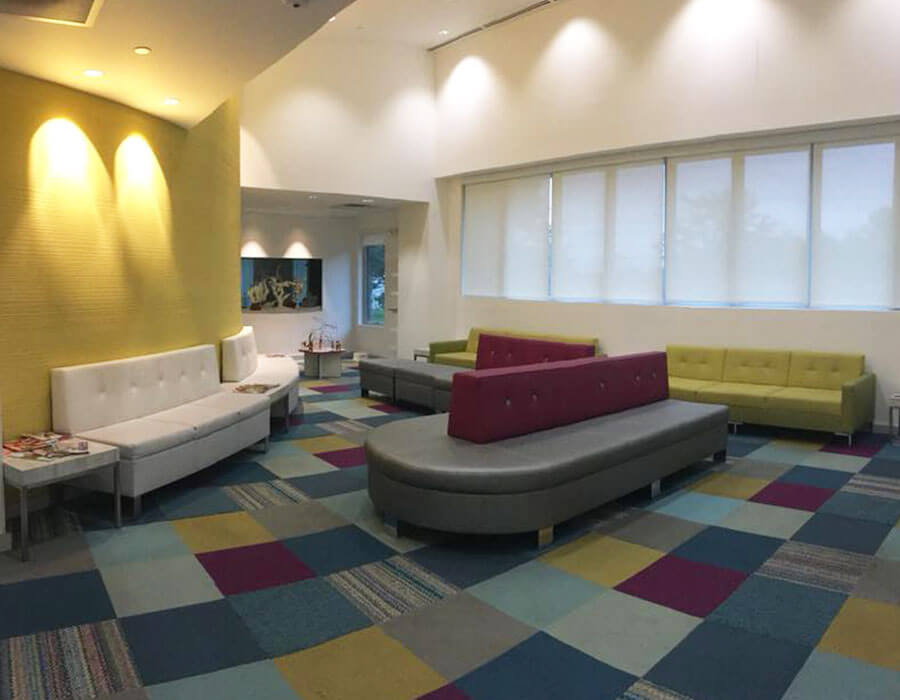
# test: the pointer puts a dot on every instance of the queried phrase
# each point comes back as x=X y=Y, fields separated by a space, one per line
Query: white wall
x=267 y=234
x=584 y=76
x=349 y=117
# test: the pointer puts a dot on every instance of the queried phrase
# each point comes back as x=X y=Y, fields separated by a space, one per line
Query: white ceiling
x=203 y=50
x=418 y=22
x=313 y=204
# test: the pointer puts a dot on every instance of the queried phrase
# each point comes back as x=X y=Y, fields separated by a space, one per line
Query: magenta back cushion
x=495 y=404
x=504 y=351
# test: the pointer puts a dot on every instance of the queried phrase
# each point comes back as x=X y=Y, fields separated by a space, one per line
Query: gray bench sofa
x=408 y=381
x=421 y=475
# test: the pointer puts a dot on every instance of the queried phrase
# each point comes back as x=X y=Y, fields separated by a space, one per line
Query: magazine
x=254 y=388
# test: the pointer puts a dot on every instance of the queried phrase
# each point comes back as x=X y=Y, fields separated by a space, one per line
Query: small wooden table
x=322 y=364
x=24 y=473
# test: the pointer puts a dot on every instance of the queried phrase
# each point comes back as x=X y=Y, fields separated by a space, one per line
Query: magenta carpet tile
x=334 y=388
x=687 y=586
x=448 y=692
x=867 y=445
x=244 y=569
x=350 y=457
x=386 y=408
x=797 y=496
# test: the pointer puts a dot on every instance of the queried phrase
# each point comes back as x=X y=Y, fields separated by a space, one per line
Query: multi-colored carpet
x=774 y=575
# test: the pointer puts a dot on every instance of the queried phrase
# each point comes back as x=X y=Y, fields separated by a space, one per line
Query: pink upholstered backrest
x=495 y=404
x=505 y=351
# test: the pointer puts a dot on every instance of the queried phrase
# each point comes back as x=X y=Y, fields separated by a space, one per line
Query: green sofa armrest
x=858 y=401
x=442 y=346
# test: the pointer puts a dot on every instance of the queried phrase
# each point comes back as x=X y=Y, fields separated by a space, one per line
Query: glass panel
x=578 y=223
x=373 y=285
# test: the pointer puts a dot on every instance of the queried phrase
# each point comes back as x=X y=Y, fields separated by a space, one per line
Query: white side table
x=25 y=474
x=322 y=364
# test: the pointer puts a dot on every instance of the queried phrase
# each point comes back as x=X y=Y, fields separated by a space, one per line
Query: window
x=373 y=284
x=798 y=224
x=506 y=238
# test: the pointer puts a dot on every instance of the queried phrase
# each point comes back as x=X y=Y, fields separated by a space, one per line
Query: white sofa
x=242 y=364
x=167 y=413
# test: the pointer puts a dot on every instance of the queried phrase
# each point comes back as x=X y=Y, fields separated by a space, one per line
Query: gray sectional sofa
x=408 y=381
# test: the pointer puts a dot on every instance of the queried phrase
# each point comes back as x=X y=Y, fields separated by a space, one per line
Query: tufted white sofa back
x=239 y=355
x=90 y=396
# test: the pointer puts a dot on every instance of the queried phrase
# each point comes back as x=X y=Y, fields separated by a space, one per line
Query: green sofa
x=462 y=353
x=824 y=391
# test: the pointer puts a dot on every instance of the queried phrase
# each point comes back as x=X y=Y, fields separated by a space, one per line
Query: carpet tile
x=145 y=586
x=458 y=634
x=826 y=530
x=86 y=661
x=823 y=567
x=780 y=609
x=866 y=630
x=535 y=593
x=623 y=631
x=338 y=549
x=271 y=575
x=250 y=568
x=543 y=668
x=603 y=560
x=826 y=675
x=264 y=494
x=297 y=616
x=188 y=641
x=53 y=602
x=256 y=680
x=690 y=587
x=730 y=549
x=389 y=588
x=382 y=668
x=720 y=662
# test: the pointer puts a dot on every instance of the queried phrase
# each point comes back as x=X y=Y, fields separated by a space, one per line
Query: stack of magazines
x=44 y=446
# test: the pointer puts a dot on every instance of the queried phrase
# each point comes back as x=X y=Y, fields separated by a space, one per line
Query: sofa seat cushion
x=429 y=458
x=427 y=374
x=204 y=419
x=827 y=401
x=737 y=394
x=686 y=389
x=381 y=365
x=244 y=405
x=824 y=370
x=457 y=359
x=142 y=437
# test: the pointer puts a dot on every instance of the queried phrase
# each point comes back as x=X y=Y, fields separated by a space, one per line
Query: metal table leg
x=23 y=515
x=117 y=493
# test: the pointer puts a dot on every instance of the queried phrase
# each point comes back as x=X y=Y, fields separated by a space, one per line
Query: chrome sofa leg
x=655 y=489
x=260 y=447
x=849 y=437
x=720 y=456
x=545 y=537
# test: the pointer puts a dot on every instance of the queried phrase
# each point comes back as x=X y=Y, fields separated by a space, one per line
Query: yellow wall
x=119 y=235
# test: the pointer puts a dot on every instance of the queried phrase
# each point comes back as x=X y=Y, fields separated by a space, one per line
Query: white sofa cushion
x=142 y=436
x=239 y=355
x=204 y=419
x=245 y=405
x=105 y=393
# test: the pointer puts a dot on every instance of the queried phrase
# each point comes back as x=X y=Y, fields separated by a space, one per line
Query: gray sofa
x=408 y=381
x=421 y=475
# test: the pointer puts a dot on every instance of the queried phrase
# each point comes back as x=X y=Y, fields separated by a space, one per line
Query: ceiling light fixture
x=142 y=50
x=444 y=32
x=170 y=101
x=332 y=18
x=368 y=201
x=93 y=73
x=313 y=196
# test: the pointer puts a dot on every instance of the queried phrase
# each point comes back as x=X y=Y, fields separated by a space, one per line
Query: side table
x=421 y=352
x=25 y=474
x=322 y=364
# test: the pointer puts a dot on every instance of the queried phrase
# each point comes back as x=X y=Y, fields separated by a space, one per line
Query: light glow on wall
x=142 y=193
x=59 y=150
x=297 y=250
x=252 y=249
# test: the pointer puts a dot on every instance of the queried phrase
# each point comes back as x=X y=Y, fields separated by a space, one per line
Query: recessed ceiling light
x=331 y=19
x=142 y=50
x=313 y=196
x=444 y=32
x=93 y=73
x=170 y=101
x=368 y=201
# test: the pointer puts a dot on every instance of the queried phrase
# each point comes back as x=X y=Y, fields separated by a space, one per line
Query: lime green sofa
x=462 y=353
x=824 y=391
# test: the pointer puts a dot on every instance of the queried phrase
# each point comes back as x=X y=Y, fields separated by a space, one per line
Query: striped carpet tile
x=264 y=494
x=882 y=486
x=823 y=567
x=386 y=589
x=47 y=524
x=645 y=690
x=77 y=662
x=348 y=428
